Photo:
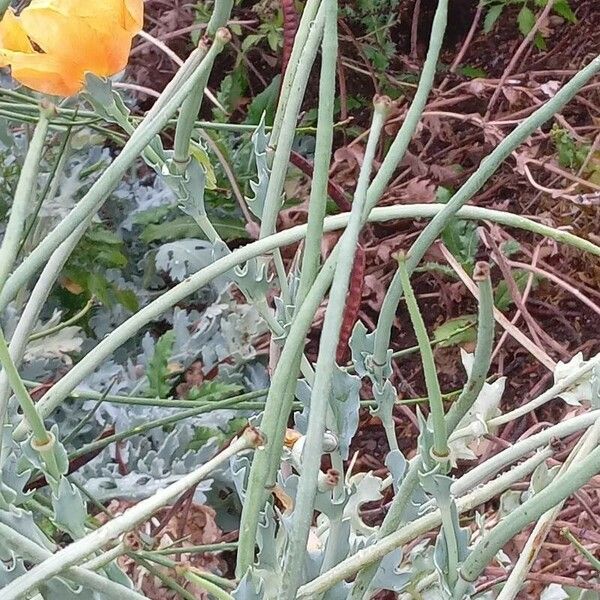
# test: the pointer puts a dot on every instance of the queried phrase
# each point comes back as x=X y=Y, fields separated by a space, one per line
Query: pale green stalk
x=404 y=136
x=129 y=328
x=162 y=422
x=348 y=567
x=584 y=370
x=535 y=541
x=186 y=122
x=109 y=179
x=493 y=541
x=30 y=551
x=318 y=191
x=60 y=326
x=308 y=16
x=37 y=299
x=77 y=551
x=43 y=441
x=163 y=402
x=485 y=170
x=321 y=389
x=483 y=351
x=23 y=199
x=498 y=461
x=582 y=549
x=212 y=588
x=285 y=140
x=434 y=393
x=220 y=16
x=201 y=549
x=485 y=339
x=49 y=191
x=277 y=407
x=440 y=451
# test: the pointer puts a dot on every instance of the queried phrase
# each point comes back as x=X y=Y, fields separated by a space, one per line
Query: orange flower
x=52 y=44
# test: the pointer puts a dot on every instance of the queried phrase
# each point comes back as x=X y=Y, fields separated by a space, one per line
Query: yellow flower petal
x=100 y=52
x=43 y=72
x=12 y=34
x=127 y=14
x=75 y=36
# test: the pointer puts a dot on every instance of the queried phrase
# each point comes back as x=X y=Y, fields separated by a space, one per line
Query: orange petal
x=44 y=73
x=126 y=14
x=12 y=34
x=102 y=52
x=134 y=9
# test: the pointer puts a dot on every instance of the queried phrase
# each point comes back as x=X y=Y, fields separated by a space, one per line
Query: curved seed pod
x=290 y=26
x=353 y=300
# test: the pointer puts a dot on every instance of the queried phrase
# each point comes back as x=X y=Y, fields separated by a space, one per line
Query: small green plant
x=526 y=16
x=376 y=18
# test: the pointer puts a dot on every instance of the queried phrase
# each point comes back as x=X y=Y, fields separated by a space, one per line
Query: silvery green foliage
x=12 y=476
x=81 y=168
x=344 y=401
x=152 y=462
x=190 y=190
x=469 y=431
x=182 y=258
x=142 y=195
x=284 y=312
x=252 y=278
x=251 y=587
x=70 y=509
x=362 y=347
x=260 y=143
x=23 y=522
x=581 y=390
x=109 y=104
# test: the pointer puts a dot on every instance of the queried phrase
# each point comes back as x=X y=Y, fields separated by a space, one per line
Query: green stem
x=202 y=549
x=275 y=416
x=554 y=493
x=445 y=506
x=440 y=435
x=186 y=121
x=109 y=179
x=313 y=449
x=27 y=405
x=485 y=170
x=129 y=328
x=219 y=17
x=166 y=579
x=581 y=548
x=162 y=422
x=483 y=350
x=403 y=137
x=323 y=145
x=371 y=554
x=30 y=551
x=74 y=319
x=285 y=140
x=308 y=15
x=23 y=198
x=50 y=188
x=209 y=586
x=73 y=553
